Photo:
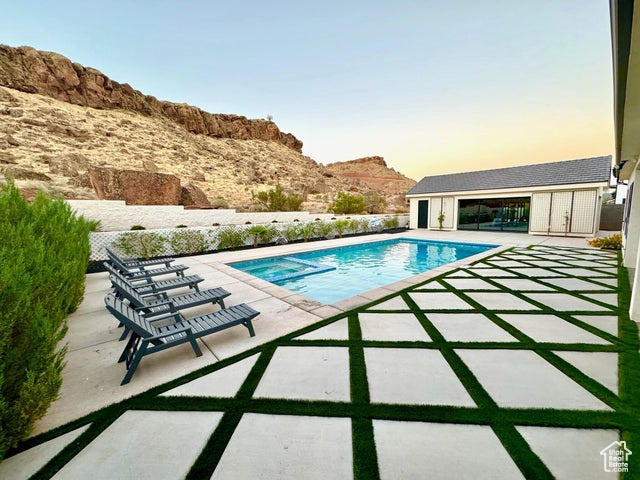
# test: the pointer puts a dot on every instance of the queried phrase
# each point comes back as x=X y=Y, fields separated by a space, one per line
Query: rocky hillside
x=372 y=173
x=60 y=121
x=48 y=73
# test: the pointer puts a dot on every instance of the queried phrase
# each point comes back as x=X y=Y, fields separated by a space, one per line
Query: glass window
x=494 y=214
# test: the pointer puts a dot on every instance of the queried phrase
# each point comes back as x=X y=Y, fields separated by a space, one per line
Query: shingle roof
x=585 y=170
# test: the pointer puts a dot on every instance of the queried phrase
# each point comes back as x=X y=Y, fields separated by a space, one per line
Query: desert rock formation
x=372 y=173
x=60 y=120
x=51 y=74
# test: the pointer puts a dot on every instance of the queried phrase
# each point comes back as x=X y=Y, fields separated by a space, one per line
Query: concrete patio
x=483 y=357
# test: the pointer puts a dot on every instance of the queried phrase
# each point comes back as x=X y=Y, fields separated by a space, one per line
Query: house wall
x=631 y=238
x=582 y=201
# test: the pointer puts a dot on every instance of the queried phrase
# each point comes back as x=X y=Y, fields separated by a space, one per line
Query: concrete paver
x=310 y=373
x=582 y=272
x=413 y=377
x=470 y=284
x=392 y=327
x=415 y=450
x=601 y=366
x=571 y=453
x=507 y=263
x=177 y=439
x=574 y=284
x=284 y=446
x=550 y=328
x=562 y=302
x=222 y=383
x=501 y=301
x=395 y=303
x=468 y=327
x=439 y=301
x=521 y=284
x=536 y=272
x=491 y=272
x=606 y=323
x=338 y=330
x=608 y=298
x=25 y=464
x=523 y=379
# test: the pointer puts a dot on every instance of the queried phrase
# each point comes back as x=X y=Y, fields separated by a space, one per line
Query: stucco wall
x=115 y=215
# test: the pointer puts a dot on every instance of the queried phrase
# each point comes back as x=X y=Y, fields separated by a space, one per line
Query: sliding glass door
x=494 y=214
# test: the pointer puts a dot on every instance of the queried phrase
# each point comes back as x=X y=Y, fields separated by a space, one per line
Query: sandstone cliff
x=373 y=173
x=51 y=74
x=60 y=121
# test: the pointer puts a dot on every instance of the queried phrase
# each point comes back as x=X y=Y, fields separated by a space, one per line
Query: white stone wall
x=102 y=239
x=115 y=215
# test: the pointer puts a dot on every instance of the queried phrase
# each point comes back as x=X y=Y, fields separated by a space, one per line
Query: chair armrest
x=165 y=316
x=157 y=296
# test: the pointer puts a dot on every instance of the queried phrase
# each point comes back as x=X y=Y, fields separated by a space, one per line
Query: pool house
x=558 y=198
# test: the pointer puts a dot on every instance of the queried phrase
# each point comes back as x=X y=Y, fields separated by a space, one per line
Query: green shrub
x=276 y=200
x=324 y=229
x=188 y=241
x=182 y=225
x=346 y=203
x=141 y=245
x=219 y=202
x=137 y=227
x=612 y=242
x=308 y=230
x=262 y=234
x=231 y=237
x=390 y=223
x=340 y=226
x=358 y=225
x=292 y=232
x=44 y=253
x=374 y=202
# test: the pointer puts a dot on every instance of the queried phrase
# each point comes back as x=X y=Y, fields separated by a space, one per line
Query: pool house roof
x=568 y=172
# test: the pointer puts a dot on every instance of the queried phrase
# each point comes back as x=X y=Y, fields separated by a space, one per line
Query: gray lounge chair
x=137 y=263
x=141 y=272
x=147 y=338
x=148 y=285
x=153 y=304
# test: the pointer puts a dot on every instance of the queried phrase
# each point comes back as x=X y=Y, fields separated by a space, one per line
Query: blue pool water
x=334 y=274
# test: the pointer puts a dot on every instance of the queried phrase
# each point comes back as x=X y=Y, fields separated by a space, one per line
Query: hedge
x=44 y=252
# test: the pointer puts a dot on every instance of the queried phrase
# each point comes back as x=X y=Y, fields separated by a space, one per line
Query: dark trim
x=621 y=13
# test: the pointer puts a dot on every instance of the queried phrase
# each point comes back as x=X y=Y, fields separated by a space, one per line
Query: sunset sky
x=434 y=87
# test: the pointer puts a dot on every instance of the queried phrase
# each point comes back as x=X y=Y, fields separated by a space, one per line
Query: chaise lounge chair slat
x=136 y=262
x=157 y=286
x=147 y=338
x=141 y=271
x=124 y=289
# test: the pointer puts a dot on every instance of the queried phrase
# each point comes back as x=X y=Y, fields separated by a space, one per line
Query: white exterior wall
x=413 y=212
x=115 y=215
x=585 y=210
x=632 y=239
x=631 y=259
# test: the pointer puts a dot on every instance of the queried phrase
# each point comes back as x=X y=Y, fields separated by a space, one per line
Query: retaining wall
x=115 y=215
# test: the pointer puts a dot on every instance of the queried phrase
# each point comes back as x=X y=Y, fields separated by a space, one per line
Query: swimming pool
x=333 y=274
